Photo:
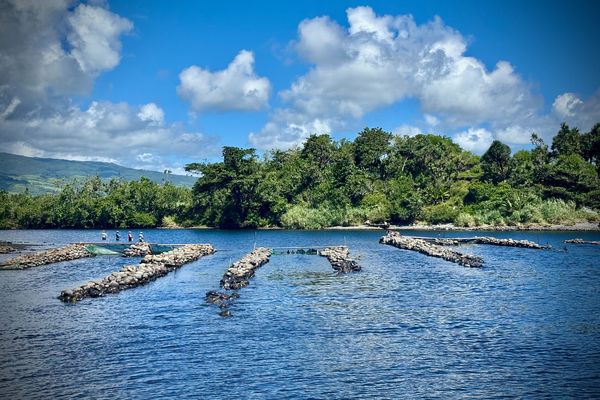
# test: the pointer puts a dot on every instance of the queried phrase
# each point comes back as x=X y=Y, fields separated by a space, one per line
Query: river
x=527 y=324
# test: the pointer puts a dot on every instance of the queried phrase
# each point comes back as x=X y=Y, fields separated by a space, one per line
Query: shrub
x=464 y=219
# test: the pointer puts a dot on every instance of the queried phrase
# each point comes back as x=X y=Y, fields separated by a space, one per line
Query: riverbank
x=581 y=226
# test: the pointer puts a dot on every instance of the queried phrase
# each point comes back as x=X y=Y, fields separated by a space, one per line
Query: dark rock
x=340 y=260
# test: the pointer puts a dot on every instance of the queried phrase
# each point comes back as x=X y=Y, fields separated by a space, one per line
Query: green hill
x=46 y=175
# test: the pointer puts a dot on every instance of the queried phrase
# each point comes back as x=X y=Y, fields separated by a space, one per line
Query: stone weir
x=581 y=241
x=137 y=250
x=238 y=274
x=66 y=253
x=150 y=268
x=339 y=258
x=485 y=240
x=432 y=250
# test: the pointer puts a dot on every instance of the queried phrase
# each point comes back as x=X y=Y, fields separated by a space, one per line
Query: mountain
x=45 y=175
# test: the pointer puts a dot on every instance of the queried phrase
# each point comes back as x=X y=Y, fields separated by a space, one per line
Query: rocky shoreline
x=65 y=253
x=130 y=276
x=429 y=249
x=340 y=260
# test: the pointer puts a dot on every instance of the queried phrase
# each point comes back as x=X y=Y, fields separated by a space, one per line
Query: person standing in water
x=141 y=236
x=117 y=236
x=129 y=237
x=103 y=235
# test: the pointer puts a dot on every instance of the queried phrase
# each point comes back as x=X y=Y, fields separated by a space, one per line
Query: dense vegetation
x=378 y=178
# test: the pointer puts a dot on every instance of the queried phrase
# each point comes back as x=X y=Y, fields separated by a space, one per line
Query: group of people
x=129 y=236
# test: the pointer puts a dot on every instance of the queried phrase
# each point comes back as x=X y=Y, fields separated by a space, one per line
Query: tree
x=590 y=142
x=567 y=141
x=495 y=162
x=371 y=148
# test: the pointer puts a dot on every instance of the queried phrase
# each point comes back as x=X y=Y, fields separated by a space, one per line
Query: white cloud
x=576 y=111
x=152 y=113
x=54 y=49
x=94 y=37
x=380 y=60
x=407 y=130
x=475 y=140
x=565 y=105
x=105 y=131
x=235 y=88
x=431 y=120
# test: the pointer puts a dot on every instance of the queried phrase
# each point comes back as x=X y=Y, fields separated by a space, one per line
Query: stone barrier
x=339 y=258
x=137 y=250
x=151 y=267
x=485 y=240
x=66 y=253
x=432 y=250
x=581 y=241
x=239 y=273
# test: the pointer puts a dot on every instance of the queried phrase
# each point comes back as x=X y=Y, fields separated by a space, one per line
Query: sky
x=159 y=84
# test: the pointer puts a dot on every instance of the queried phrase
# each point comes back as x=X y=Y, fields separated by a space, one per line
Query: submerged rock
x=430 y=249
x=151 y=267
x=339 y=258
x=581 y=241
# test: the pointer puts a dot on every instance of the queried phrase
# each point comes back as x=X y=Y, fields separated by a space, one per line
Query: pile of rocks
x=339 y=258
x=581 y=241
x=137 y=250
x=420 y=245
x=66 y=253
x=239 y=273
x=5 y=248
x=486 y=240
x=152 y=267
x=507 y=242
x=223 y=300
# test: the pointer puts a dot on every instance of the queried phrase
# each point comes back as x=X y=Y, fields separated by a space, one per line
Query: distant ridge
x=46 y=175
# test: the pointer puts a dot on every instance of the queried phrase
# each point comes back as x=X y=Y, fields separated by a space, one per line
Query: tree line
x=378 y=177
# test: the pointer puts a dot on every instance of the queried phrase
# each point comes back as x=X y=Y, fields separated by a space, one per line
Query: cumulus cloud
x=565 y=105
x=50 y=50
x=376 y=61
x=407 y=130
x=475 y=140
x=105 y=132
x=53 y=50
x=237 y=87
x=582 y=113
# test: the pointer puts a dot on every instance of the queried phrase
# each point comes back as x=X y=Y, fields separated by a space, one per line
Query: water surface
x=407 y=326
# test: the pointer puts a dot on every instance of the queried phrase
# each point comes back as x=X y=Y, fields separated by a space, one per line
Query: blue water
x=407 y=326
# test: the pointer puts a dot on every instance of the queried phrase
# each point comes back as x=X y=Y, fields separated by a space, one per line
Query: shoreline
x=578 y=227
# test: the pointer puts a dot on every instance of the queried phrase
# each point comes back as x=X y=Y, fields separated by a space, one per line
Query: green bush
x=440 y=213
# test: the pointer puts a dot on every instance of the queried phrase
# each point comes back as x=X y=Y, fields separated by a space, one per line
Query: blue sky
x=157 y=84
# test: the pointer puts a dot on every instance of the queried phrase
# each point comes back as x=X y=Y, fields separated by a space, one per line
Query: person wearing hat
x=118 y=236
x=141 y=236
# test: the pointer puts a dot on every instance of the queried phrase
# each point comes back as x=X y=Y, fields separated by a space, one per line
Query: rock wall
x=581 y=241
x=138 y=250
x=432 y=250
x=151 y=268
x=66 y=253
x=239 y=273
x=486 y=240
x=339 y=258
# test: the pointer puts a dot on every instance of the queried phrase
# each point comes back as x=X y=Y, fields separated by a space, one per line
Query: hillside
x=46 y=175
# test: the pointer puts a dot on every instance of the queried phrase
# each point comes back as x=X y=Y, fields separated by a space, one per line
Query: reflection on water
x=407 y=326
